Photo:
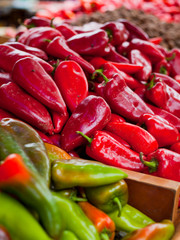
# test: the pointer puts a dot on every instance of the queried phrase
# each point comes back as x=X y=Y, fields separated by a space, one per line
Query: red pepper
x=148 y=48
x=58 y=48
x=155 y=40
x=89 y=43
x=114 y=56
x=103 y=223
x=140 y=91
x=116 y=118
x=32 y=50
x=44 y=137
x=164 y=163
x=28 y=74
x=164 y=97
x=104 y=148
x=122 y=100
x=134 y=30
x=162 y=67
x=97 y=62
x=66 y=30
x=92 y=114
x=175 y=147
x=5 y=114
x=22 y=105
x=59 y=120
x=175 y=121
x=9 y=56
x=127 y=67
x=55 y=138
x=72 y=83
x=116 y=31
x=139 y=139
x=164 y=132
x=5 y=78
x=168 y=80
x=37 y=22
x=35 y=37
x=174 y=60
x=138 y=58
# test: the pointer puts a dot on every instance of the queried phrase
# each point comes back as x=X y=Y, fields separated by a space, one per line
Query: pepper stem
x=151 y=83
x=104 y=236
x=78 y=199
x=171 y=57
x=119 y=205
x=152 y=165
x=100 y=72
x=85 y=136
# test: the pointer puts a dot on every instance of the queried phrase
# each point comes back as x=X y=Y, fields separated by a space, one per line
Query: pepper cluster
x=59 y=197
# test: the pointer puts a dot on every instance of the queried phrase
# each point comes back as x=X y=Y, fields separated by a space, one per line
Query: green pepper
x=131 y=219
x=31 y=190
x=67 y=235
x=74 y=219
x=85 y=173
x=18 y=137
x=109 y=197
x=156 y=231
x=19 y=223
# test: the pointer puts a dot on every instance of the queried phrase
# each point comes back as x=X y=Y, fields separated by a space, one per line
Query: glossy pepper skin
x=5 y=114
x=74 y=219
x=165 y=133
x=85 y=173
x=32 y=50
x=66 y=30
x=130 y=219
x=59 y=48
x=9 y=56
x=8 y=219
x=36 y=36
x=163 y=163
x=59 y=119
x=103 y=223
x=108 y=150
x=122 y=100
x=72 y=83
x=89 y=43
x=21 y=104
x=36 y=21
x=18 y=137
x=28 y=74
x=139 y=139
x=109 y=197
x=156 y=231
x=32 y=191
x=92 y=114
x=114 y=56
x=116 y=31
x=164 y=97
x=139 y=58
x=5 y=78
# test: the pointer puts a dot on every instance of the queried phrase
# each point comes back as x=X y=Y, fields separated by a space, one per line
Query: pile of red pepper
x=104 y=91
x=166 y=10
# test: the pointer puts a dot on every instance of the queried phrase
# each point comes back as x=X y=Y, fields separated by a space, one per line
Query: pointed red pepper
x=59 y=120
x=92 y=114
x=72 y=83
x=29 y=74
x=17 y=101
x=139 y=139
x=104 y=148
x=66 y=30
x=164 y=132
x=114 y=56
x=59 y=48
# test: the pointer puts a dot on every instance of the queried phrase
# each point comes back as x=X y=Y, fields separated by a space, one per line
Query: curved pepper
x=5 y=78
x=9 y=56
x=113 y=56
x=130 y=219
x=68 y=235
x=14 y=217
x=66 y=30
x=72 y=83
x=29 y=188
x=92 y=114
x=104 y=148
x=59 y=119
x=74 y=219
x=36 y=21
x=175 y=147
x=18 y=137
x=29 y=74
x=21 y=104
x=110 y=197
x=103 y=223
x=84 y=173
x=156 y=231
x=139 y=139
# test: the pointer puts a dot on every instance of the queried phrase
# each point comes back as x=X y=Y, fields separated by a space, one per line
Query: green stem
x=171 y=57
x=151 y=83
x=78 y=199
x=100 y=72
x=104 y=236
x=152 y=165
x=51 y=23
x=85 y=136
x=118 y=203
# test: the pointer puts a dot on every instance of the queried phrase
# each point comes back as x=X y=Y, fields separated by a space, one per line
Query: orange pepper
x=55 y=152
